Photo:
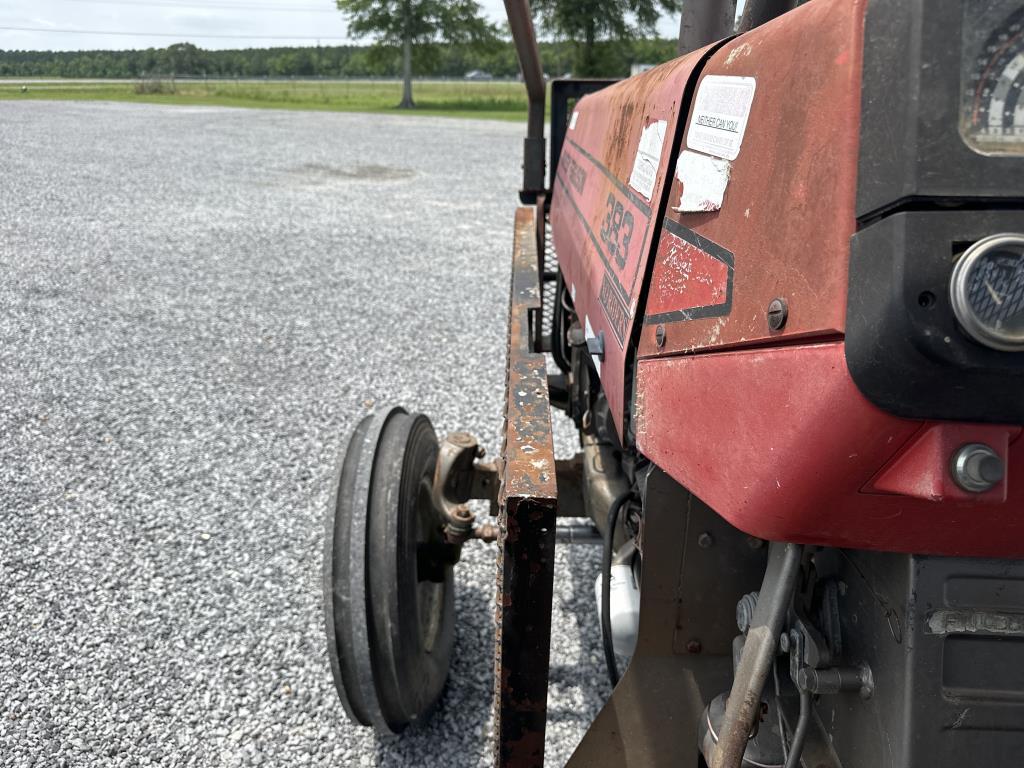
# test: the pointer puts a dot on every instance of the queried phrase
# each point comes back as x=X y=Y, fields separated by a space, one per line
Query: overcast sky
x=207 y=23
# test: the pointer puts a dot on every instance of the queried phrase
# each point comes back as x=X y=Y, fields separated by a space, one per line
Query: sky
x=48 y=24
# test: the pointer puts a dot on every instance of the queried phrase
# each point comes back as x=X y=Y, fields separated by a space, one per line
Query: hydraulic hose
x=800 y=734
x=606 y=579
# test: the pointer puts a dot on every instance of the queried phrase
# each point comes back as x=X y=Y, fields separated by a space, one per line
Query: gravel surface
x=196 y=306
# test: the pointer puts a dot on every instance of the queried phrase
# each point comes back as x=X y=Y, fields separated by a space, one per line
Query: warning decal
x=720 y=114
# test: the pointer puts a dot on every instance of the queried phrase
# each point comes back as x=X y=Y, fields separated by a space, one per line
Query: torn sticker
x=720 y=114
x=572 y=120
x=704 y=180
x=648 y=158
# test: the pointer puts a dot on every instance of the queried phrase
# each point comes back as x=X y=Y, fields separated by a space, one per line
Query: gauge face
x=992 y=119
x=987 y=292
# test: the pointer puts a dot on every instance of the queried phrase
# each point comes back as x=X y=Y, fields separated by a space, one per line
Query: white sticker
x=648 y=158
x=588 y=333
x=720 y=114
x=572 y=120
x=704 y=181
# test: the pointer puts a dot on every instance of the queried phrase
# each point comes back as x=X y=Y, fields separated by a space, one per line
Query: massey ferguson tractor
x=781 y=280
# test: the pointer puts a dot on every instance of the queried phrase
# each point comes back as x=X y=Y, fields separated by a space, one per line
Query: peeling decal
x=693 y=278
x=648 y=158
x=704 y=180
x=720 y=113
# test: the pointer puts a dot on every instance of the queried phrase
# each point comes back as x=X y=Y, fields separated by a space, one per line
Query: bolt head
x=977 y=468
x=778 y=313
x=704 y=541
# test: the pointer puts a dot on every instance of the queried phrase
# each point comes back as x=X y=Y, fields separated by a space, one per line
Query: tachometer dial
x=993 y=77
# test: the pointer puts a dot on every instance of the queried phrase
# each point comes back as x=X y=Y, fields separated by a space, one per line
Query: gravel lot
x=196 y=305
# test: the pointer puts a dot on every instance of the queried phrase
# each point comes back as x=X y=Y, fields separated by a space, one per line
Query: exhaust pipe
x=521 y=23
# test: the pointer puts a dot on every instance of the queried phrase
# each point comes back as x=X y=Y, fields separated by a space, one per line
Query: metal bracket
x=459 y=477
x=758 y=653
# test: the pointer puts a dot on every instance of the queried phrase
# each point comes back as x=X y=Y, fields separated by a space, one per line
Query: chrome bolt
x=977 y=468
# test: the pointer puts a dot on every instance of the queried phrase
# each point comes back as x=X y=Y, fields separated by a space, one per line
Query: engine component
x=764 y=748
x=745 y=611
x=604 y=596
x=623 y=606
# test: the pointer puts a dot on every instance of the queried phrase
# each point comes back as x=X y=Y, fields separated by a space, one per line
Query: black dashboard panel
x=921 y=58
x=904 y=347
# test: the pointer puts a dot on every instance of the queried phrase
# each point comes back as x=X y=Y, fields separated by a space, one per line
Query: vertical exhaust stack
x=534 y=148
x=757 y=12
x=706 y=22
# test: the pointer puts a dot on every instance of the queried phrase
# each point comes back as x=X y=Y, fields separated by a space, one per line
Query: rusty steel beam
x=527 y=503
x=520 y=22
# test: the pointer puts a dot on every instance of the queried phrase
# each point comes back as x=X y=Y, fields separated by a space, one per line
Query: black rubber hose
x=800 y=734
x=606 y=579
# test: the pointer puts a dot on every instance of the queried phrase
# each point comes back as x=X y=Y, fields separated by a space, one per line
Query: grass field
x=492 y=100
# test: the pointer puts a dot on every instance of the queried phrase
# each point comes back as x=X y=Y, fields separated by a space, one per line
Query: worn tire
x=389 y=603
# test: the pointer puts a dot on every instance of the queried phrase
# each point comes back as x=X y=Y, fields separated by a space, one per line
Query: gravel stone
x=198 y=304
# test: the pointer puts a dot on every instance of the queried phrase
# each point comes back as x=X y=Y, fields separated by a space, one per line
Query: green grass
x=490 y=100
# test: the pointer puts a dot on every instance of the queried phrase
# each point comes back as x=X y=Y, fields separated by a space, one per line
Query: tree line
x=610 y=59
x=417 y=27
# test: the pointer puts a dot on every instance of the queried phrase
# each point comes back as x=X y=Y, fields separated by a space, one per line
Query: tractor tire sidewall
x=409 y=678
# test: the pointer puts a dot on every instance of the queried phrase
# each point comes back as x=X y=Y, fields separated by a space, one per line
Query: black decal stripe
x=636 y=199
x=710 y=247
x=586 y=225
x=695 y=313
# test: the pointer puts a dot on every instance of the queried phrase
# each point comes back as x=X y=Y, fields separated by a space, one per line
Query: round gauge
x=993 y=120
x=987 y=292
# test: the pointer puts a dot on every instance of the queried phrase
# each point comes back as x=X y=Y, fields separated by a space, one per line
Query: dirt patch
x=318 y=174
